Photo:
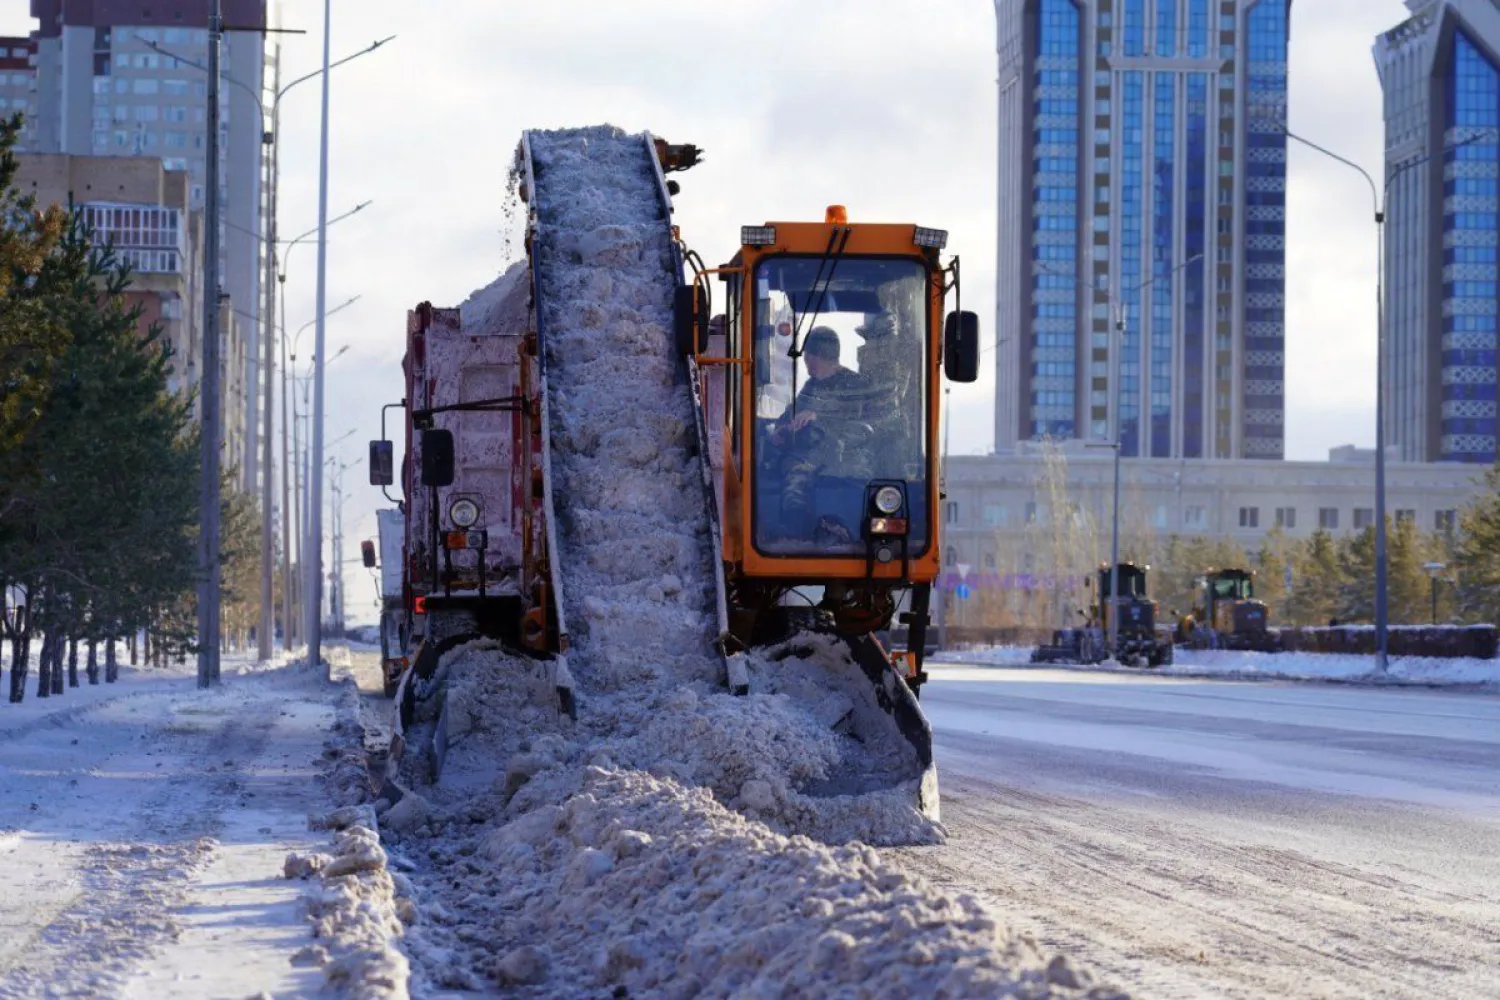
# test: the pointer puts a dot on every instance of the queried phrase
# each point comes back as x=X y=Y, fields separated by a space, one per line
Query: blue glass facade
x=1166 y=28
x=1265 y=236
x=1135 y=27
x=1162 y=261
x=1471 y=217
x=1132 y=211
x=1197 y=28
x=1194 y=279
x=1054 y=191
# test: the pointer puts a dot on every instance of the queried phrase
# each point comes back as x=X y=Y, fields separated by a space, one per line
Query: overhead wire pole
x=268 y=366
x=208 y=532
x=315 y=512
x=1380 y=197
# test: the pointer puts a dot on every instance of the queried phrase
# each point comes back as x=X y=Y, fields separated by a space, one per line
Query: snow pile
x=501 y=307
x=355 y=904
x=1246 y=665
x=567 y=880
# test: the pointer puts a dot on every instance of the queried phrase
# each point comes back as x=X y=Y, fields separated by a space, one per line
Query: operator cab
x=840 y=376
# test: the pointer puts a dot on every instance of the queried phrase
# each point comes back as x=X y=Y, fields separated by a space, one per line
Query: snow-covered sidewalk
x=1239 y=665
x=143 y=829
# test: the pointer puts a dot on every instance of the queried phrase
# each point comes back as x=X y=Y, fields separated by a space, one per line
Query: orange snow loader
x=820 y=382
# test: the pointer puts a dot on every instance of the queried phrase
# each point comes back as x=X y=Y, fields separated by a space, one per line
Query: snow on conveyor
x=644 y=849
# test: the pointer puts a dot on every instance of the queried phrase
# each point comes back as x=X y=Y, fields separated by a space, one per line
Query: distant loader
x=1136 y=640
x=1228 y=615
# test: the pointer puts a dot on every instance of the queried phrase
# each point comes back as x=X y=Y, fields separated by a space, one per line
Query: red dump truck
x=471 y=500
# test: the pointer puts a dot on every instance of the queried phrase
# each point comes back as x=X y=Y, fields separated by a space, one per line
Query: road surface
x=1221 y=839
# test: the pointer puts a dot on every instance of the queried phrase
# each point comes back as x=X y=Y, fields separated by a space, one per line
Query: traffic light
x=367 y=550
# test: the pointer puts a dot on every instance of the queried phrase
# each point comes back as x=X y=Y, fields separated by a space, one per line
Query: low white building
x=995 y=502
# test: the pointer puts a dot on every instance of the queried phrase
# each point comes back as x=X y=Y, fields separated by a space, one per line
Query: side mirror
x=689 y=320
x=382 y=463
x=961 y=347
x=367 y=553
x=437 y=458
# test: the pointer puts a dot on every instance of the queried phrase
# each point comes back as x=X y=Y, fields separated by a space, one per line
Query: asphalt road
x=1225 y=839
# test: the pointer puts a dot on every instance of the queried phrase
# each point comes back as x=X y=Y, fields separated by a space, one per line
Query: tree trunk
x=60 y=653
x=111 y=665
x=20 y=647
x=91 y=668
x=130 y=645
x=44 y=668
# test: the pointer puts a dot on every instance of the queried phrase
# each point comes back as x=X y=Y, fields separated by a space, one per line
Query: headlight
x=463 y=513
x=888 y=499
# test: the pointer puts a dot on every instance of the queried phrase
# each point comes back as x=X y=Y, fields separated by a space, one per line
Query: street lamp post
x=291 y=467
x=1433 y=570
x=314 y=575
x=273 y=139
x=1121 y=310
x=1380 y=198
x=208 y=532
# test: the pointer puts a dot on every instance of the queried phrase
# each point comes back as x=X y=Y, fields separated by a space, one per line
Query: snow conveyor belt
x=631 y=515
x=627 y=503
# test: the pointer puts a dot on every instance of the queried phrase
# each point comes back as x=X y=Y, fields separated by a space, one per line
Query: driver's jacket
x=842 y=401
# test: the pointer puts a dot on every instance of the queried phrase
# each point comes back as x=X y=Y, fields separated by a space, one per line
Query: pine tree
x=35 y=271
x=1476 y=555
x=1317 y=582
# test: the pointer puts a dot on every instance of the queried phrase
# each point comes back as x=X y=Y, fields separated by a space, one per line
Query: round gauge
x=463 y=513
x=888 y=500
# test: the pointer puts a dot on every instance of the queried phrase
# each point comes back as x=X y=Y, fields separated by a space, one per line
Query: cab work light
x=757 y=236
x=924 y=237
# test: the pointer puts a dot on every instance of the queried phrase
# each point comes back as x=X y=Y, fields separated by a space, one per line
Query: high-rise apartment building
x=1142 y=202
x=123 y=78
x=18 y=82
x=1440 y=72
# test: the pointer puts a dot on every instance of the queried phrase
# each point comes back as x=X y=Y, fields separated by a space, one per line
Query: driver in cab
x=835 y=402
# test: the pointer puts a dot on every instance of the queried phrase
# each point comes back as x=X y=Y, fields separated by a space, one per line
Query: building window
x=950 y=556
x=1445 y=521
x=1364 y=517
x=950 y=512
x=994 y=515
x=1249 y=517
x=1286 y=517
x=1328 y=518
x=1192 y=516
x=1404 y=515
x=1031 y=512
x=989 y=561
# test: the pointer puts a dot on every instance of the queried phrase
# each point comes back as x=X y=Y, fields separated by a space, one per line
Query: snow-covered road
x=1222 y=839
x=143 y=827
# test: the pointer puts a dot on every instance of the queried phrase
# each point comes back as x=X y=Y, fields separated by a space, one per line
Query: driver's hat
x=823 y=342
x=877 y=324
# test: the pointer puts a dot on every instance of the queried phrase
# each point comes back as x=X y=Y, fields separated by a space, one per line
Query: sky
x=885 y=106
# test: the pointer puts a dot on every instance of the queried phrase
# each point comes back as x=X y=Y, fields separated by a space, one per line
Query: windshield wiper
x=815 y=295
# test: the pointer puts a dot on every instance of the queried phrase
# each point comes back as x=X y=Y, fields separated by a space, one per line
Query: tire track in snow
x=1179 y=912
x=129 y=887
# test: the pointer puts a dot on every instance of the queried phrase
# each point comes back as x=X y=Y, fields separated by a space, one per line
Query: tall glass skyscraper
x=1440 y=71
x=1142 y=202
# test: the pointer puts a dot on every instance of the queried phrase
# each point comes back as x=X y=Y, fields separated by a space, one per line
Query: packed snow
x=1246 y=665
x=675 y=840
x=142 y=821
x=575 y=867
